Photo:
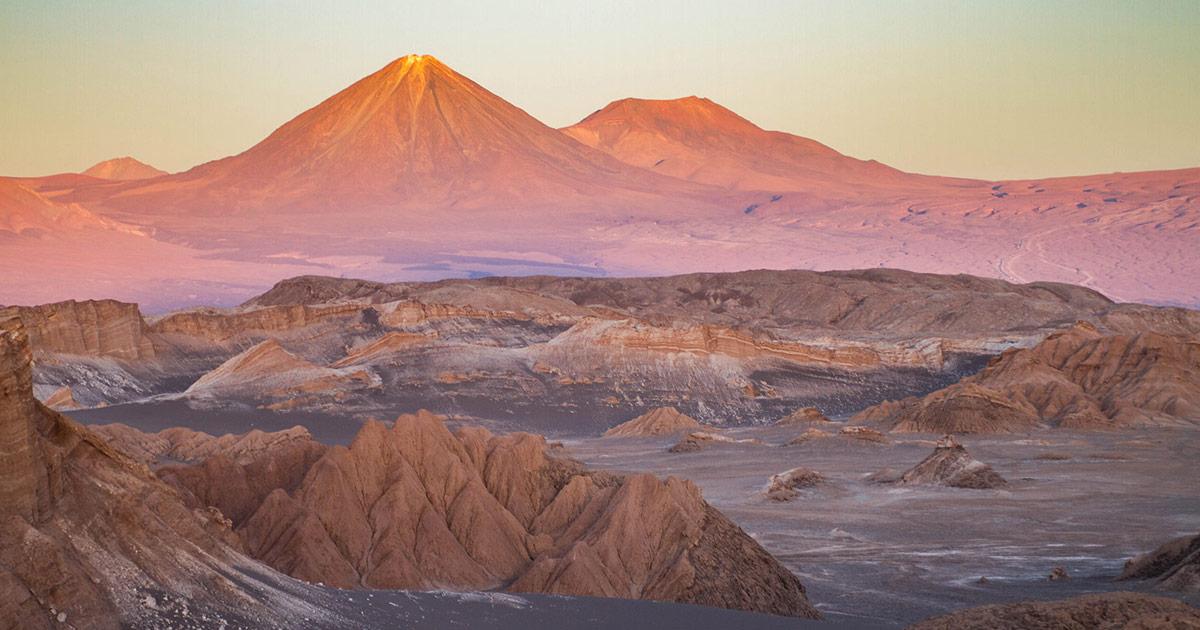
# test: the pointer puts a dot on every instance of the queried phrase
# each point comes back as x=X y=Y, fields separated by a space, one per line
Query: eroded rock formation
x=416 y=506
x=804 y=417
x=951 y=465
x=1175 y=565
x=655 y=423
x=1103 y=611
x=89 y=534
x=700 y=440
x=1078 y=379
x=784 y=486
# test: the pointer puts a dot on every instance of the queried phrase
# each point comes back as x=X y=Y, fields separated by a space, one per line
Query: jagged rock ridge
x=416 y=506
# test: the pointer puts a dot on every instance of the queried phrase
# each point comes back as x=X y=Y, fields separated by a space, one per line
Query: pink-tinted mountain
x=417 y=172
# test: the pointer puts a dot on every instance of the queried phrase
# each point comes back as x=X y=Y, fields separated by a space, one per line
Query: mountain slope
x=414 y=133
x=417 y=173
x=123 y=168
x=696 y=139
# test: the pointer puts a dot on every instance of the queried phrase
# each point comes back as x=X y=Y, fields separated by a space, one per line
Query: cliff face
x=92 y=328
x=758 y=344
x=24 y=486
x=90 y=537
x=416 y=506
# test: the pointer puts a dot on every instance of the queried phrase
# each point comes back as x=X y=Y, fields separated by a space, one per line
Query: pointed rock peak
x=688 y=109
x=123 y=168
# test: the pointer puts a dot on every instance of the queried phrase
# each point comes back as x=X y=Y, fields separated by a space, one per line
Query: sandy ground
x=892 y=555
x=876 y=556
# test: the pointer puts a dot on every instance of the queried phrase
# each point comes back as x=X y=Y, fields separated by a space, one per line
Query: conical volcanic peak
x=414 y=132
x=123 y=168
x=696 y=139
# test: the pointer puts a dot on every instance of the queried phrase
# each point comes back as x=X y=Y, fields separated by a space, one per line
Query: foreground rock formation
x=951 y=465
x=1174 y=566
x=1078 y=379
x=1106 y=611
x=416 y=506
x=91 y=538
x=655 y=423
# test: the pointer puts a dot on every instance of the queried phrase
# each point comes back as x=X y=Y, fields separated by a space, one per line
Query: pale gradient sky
x=992 y=89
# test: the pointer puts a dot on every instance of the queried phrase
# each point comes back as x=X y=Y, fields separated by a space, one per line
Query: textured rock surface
x=951 y=465
x=1174 y=566
x=700 y=440
x=759 y=344
x=1079 y=379
x=1107 y=611
x=62 y=400
x=783 y=486
x=105 y=328
x=655 y=423
x=416 y=506
x=804 y=417
x=89 y=534
x=267 y=371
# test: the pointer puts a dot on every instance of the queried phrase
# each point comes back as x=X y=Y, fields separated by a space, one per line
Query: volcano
x=696 y=139
x=415 y=134
x=123 y=168
x=418 y=173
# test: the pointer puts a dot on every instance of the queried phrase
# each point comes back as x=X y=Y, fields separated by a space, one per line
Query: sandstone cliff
x=90 y=328
x=91 y=538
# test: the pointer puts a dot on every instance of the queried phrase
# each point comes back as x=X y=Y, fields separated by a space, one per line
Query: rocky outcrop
x=1174 y=566
x=1077 y=379
x=268 y=370
x=700 y=440
x=656 y=423
x=95 y=328
x=804 y=417
x=91 y=538
x=845 y=435
x=784 y=486
x=218 y=326
x=416 y=506
x=191 y=446
x=716 y=340
x=62 y=400
x=960 y=408
x=951 y=465
x=1102 y=611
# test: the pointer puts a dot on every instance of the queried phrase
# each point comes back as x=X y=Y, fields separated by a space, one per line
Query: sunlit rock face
x=89 y=534
x=417 y=506
x=1076 y=379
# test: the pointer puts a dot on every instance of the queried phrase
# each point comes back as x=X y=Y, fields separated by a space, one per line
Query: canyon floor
x=872 y=556
x=894 y=555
